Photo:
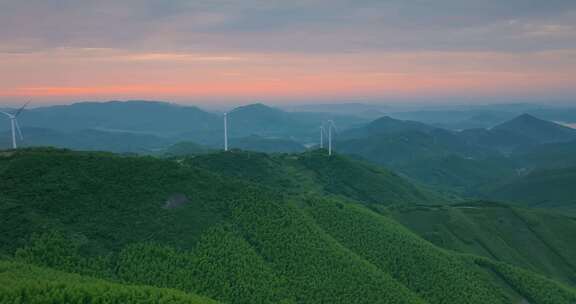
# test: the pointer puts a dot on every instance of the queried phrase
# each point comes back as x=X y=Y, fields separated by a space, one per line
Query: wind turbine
x=226 y=128
x=322 y=131
x=14 y=124
x=331 y=126
x=225 y=131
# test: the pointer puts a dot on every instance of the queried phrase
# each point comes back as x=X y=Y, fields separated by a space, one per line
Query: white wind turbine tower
x=322 y=131
x=14 y=124
x=226 y=128
x=226 y=131
x=331 y=126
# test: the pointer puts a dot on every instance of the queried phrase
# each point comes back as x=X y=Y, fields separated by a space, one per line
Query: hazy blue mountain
x=185 y=123
x=120 y=142
x=457 y=119
x=386 y=125
x=481 y=119
x=484 y=116
x=394 y=142
x=262 y=120
x=561 y=114
x=158 y=118
x=520 y=133
x=538 y=130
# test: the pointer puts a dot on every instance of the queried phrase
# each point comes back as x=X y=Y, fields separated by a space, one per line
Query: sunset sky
x=301 y=51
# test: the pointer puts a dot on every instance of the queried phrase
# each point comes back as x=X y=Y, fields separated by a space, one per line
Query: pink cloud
x=109 y=73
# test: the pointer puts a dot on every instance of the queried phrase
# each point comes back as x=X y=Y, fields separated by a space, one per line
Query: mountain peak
x=258 y=111
x=527 y=117
x=256 y=107
x=390 y=125
x=539 y=130
x=528 y=120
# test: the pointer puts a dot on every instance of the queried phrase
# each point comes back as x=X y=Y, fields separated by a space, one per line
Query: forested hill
x=543 y=188
x=172 y=228
x=315 y=172
x=23 y=283
x=535 y=239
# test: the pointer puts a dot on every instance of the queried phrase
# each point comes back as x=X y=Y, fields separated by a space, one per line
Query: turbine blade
x=22 y=108
x=18 y=129
x=333 y=125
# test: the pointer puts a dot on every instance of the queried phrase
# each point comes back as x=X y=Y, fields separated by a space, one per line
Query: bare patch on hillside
x=176 y=200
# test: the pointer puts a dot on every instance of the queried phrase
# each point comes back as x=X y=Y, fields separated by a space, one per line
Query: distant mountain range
x=520 y=132
x=487 y=116
x=390 y=141
x=468 y=161
x=471 y=162
x=89 y=139
x=172 y=123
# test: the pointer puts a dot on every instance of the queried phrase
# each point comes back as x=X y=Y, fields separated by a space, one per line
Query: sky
x=279 y=51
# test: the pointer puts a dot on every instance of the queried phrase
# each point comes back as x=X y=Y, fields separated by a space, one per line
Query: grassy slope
x=234 y=241
x=535 y=240
x=22 y=283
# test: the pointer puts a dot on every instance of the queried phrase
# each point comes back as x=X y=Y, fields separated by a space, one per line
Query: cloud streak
x=260 y=25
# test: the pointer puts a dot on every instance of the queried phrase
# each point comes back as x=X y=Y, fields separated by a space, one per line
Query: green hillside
x=315 y=172
x=459 y=174
x=554 y=155
x=23 y=283
x=186 y=148
x=531 y=239
x=545 y=188
x=405 y=147
x=179 y=225
x=267 y=145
